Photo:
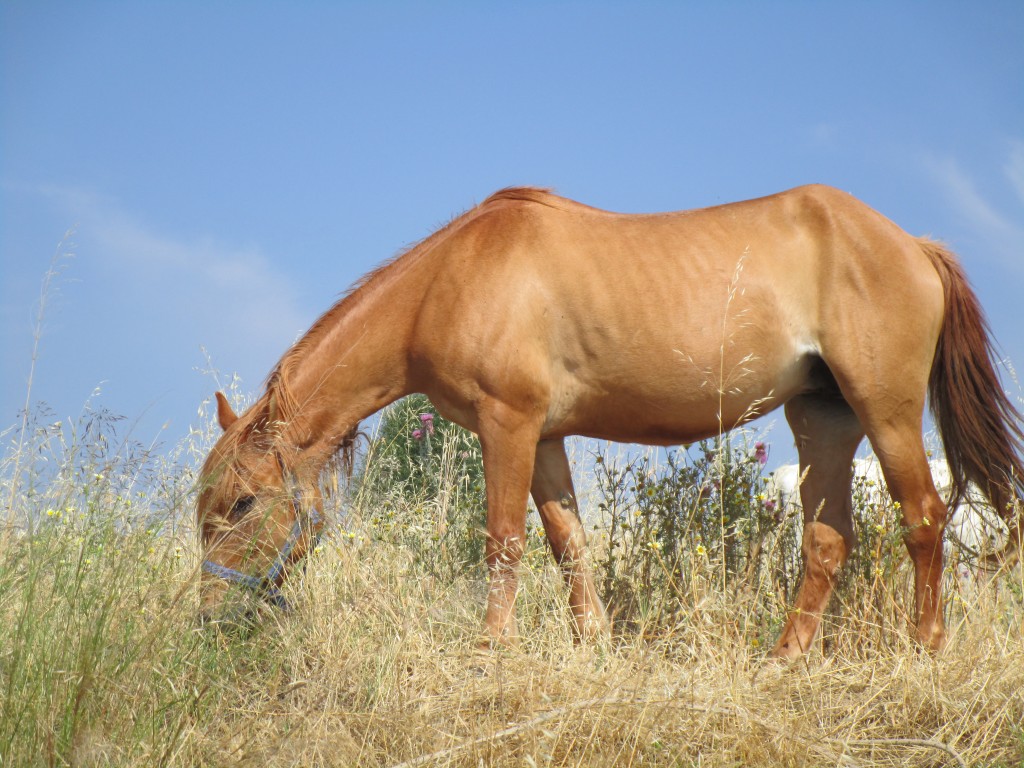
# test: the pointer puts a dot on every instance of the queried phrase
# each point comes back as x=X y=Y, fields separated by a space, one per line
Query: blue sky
x=230 y=168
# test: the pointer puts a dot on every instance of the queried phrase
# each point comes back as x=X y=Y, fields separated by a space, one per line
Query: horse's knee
x=504 y=549
x=825 y=549
x=923 y=540
x=566 y=539
x=923 y=532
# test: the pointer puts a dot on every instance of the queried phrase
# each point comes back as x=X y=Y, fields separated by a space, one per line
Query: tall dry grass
x=102 y=664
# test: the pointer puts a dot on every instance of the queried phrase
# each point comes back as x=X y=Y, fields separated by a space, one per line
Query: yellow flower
x=701 y=551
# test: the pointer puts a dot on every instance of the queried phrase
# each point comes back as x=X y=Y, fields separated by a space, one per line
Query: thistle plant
x=421 y=485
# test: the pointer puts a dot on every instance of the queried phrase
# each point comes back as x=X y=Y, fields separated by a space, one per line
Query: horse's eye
x=240 y=507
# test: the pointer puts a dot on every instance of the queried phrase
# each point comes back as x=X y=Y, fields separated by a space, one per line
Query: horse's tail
x=981 y=429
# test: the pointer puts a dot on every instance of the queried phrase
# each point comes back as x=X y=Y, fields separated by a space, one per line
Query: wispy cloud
x=226 y=297
x=1003 y=234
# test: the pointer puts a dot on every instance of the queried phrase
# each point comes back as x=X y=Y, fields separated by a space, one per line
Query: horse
x=530 y=318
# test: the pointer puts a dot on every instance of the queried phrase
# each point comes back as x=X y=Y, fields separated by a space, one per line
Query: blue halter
x=266 y=585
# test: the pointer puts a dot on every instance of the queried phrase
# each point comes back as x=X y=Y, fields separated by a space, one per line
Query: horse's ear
x=225 y=415
x=272 y=410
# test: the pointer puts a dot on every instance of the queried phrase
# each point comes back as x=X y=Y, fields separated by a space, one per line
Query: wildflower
x=770 y=505
x=417 y=434
x=897 y=506
x=761 y=453
x=754 y=643
x=701 y=551
x=428 y=422
x=926 y=521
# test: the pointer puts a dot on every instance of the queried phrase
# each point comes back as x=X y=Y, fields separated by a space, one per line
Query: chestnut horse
x=532 y=317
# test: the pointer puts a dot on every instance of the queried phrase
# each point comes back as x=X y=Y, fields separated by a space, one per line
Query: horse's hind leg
x=555 y=498
x=890 y=404
x=901 y=454
x=827 y=434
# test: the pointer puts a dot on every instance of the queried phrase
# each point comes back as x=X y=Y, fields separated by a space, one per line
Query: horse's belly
x=669 y=412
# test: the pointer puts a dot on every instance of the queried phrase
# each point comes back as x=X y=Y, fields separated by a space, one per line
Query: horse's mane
x=399 y=262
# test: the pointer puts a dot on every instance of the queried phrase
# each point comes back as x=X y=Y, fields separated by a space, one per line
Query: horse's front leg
x=509 y=443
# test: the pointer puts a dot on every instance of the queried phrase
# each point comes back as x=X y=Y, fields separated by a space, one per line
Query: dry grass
x=380 y=668
x=101 y=663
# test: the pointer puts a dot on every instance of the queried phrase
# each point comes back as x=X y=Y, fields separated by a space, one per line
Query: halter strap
x=266 y=585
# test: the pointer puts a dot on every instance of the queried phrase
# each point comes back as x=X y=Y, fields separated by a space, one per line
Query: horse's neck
x=350 y=369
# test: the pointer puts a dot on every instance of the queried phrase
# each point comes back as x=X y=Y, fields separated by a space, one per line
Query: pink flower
x=428 y=422
x=417 y=434
x=761 y=453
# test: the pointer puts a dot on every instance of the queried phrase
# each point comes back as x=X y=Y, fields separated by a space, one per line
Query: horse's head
x=257 y=516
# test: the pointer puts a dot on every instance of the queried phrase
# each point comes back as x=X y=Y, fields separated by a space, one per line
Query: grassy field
x=101 y=661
